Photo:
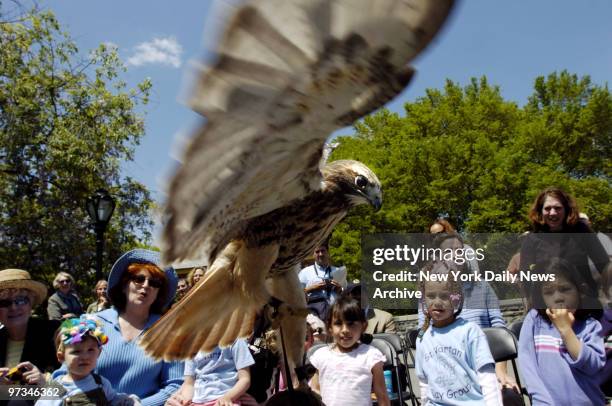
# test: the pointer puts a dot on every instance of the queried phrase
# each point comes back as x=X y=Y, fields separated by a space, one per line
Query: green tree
x=467 y=153
x=67 y=123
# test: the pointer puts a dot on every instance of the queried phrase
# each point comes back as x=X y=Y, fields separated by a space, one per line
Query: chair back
x=504 y=347
x=411 y=338
x=398 y=345
x=393 y=339
x=386 y=349
x=515 y=327
x=502 y=343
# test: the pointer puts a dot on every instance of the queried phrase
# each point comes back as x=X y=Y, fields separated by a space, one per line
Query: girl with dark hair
x=348 y=369
x=453 y=361
x=560 y=334
x=558 y=232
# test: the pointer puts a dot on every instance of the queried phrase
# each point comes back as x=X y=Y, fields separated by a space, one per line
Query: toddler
x=79 y=342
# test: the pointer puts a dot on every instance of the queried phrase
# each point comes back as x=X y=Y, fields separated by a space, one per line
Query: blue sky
x=511 y=42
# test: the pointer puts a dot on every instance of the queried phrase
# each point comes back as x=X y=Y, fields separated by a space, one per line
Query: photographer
x=322 y=282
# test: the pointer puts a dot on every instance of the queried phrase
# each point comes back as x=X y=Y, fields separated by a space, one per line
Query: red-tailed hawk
x=252 y=194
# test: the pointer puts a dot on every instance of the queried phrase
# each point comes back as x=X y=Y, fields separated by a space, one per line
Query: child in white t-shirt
x=348 y=370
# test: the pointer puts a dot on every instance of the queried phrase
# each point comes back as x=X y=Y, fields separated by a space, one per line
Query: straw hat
x=19 y=279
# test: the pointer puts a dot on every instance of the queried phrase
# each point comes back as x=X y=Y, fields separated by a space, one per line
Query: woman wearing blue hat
x=139 y=290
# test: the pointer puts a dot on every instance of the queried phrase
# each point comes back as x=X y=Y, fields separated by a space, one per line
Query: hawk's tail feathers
x=217 y=311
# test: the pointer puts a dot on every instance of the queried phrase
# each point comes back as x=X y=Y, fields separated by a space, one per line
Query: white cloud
x=110 y=44
x=164 y=51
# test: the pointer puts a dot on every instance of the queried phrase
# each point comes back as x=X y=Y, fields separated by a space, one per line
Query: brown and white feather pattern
x=250 y=194
x=288 y=73
x=223 y=305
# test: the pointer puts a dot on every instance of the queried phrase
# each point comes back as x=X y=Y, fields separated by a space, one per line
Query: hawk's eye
x=361 y=181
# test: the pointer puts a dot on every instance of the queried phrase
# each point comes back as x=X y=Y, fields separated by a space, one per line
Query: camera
x=329 y=287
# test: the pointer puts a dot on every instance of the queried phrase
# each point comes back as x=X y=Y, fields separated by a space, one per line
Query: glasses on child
x=18 y=301
x=140 y=280
x=65 y=282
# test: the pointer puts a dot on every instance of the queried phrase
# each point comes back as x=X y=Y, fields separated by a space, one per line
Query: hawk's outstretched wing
x=288 y=73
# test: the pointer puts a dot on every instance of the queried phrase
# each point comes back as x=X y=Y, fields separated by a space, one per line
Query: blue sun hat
x=142 y=256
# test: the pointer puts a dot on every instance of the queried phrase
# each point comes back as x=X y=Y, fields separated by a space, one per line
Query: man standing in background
x=322 y=282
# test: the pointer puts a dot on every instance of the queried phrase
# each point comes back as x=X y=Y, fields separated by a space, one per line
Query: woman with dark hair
x=553 y=210
x=558 y=232
x=139 y=290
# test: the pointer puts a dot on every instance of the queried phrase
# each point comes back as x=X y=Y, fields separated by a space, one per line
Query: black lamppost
x=100 y=208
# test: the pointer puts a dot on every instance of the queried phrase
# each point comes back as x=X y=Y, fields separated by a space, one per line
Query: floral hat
x=73 y=331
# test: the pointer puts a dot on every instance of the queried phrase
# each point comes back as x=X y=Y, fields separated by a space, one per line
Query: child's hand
x=562 y=319
x=224 y=401
x=177 y=399
x=507 y=382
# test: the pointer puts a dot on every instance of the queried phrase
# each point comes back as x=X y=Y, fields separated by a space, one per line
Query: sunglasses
x=65 y=282
x=153 y=282
x=18 y=301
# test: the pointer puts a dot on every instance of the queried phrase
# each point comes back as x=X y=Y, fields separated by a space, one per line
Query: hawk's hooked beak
x=377 y=204
x=376 y=200
x=371 y=195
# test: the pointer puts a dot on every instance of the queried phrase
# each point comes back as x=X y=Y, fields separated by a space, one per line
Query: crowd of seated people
x=94 y=357
x=566 y=328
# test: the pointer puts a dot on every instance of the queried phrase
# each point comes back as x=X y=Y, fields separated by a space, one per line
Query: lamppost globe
x=100 y=207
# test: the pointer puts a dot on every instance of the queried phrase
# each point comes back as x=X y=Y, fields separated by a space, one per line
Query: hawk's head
x=355 y=180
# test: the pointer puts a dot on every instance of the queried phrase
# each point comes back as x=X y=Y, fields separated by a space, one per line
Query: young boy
x=79 y=342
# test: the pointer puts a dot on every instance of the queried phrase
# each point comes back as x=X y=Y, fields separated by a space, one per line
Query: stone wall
x=512 y=310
